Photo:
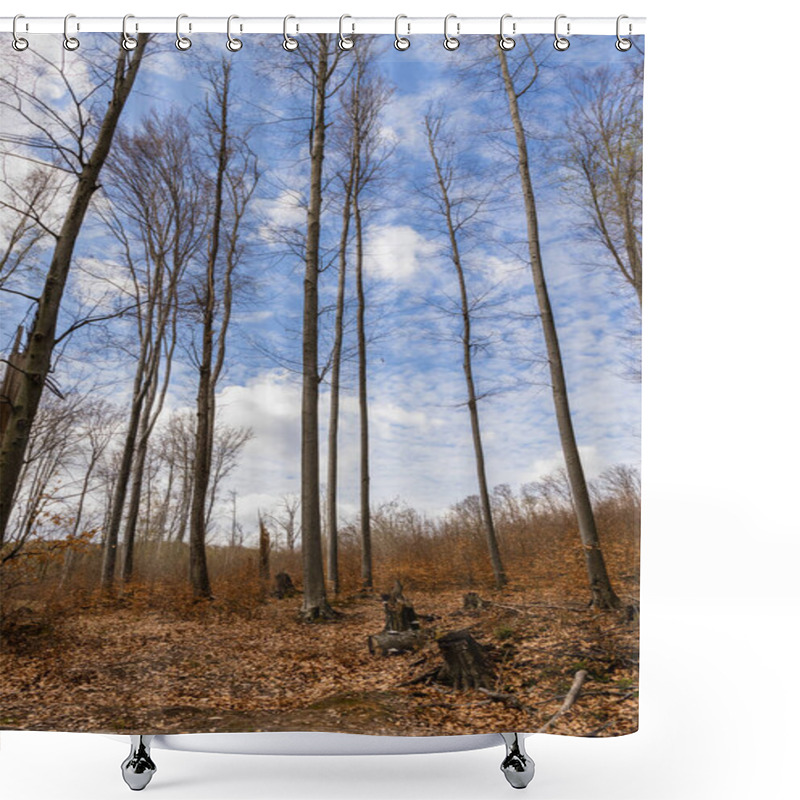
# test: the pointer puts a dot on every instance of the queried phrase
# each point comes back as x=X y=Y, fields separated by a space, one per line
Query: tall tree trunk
x=41 y=342
x=315 y=603
x=363 y=405
x=150 y=413
x=466 y=342
x=204 y=432
x=111 y=538
x=603 y=595
x=336 y=367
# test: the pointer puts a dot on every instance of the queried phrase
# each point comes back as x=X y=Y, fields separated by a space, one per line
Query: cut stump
x=401 y=631
x=284 y=587
x=466 y=664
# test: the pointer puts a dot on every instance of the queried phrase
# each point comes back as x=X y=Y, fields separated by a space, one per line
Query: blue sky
x=421 y=444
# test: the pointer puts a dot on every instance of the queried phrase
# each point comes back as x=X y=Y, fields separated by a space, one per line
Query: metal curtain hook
x=233 y=44
x=18 y=43
x=561 y=43
x=623 y=44
x=506 y=42
x=70 y=42
x=182 y=42
x=401 y=42
x=128 y=42
x=345 y=42
x=451 y=42
x=289 y=43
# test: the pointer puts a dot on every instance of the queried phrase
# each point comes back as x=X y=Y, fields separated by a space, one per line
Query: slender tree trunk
x=363 y=405
x=603 y=595
x=466 y=341
x=150 y=413
x=315 y=603
x=111 y=538
x=198 y=566
x=35 y=364
x=336 y=366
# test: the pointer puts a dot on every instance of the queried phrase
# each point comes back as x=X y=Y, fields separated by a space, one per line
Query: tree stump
x=399 y=613
x=474 y=602
x=401 y=631
x=466 y=664
x=284 y=586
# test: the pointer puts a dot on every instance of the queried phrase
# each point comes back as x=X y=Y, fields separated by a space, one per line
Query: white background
x=720 y=598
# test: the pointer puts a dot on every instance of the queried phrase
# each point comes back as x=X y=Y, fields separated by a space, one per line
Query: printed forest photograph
x=320 y=384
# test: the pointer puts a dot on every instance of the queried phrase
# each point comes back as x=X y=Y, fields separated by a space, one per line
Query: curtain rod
x=406 y=25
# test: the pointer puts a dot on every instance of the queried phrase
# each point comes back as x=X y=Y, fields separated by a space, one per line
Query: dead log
x=466 y=664
x=572 y=695
x=284 y=587
x=393 y=643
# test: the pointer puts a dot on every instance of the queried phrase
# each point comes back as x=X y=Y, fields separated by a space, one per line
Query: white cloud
x=396 y=252
x=287 y=210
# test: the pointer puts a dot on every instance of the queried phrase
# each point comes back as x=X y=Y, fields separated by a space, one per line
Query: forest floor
x=140 y=668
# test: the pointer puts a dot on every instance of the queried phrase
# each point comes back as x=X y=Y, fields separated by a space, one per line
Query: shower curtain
x=320 y=384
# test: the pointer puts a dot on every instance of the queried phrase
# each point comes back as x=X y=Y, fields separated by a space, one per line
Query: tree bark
x=603 y=595
x=41 y=342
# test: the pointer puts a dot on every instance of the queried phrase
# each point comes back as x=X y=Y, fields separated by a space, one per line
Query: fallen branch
x=572 y=695
x=521 y=609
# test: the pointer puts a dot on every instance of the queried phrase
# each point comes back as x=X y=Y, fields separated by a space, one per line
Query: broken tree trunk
x=283 y=586
x=401 y=631
x=263 y=557
x=466 y=664
x=572 y=695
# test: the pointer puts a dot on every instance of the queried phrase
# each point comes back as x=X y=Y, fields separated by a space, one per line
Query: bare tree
x=516 y=84
x=604 y=153
x=158 y=217
x=335 y=375
x=456 y=210
x=86 y=161
x=235 y=178
x=286 y=519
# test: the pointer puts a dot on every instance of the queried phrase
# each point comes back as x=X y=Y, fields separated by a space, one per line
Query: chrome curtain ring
x=451 y=42
x=70 y=42
x=345 y=42
x=128 y=42
x=506 y=42
x=401 y=42
x=182 y=42
x=289 y=43
x=623 y=44
x=561 y=42
x=18 y=43
x=233 y=44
